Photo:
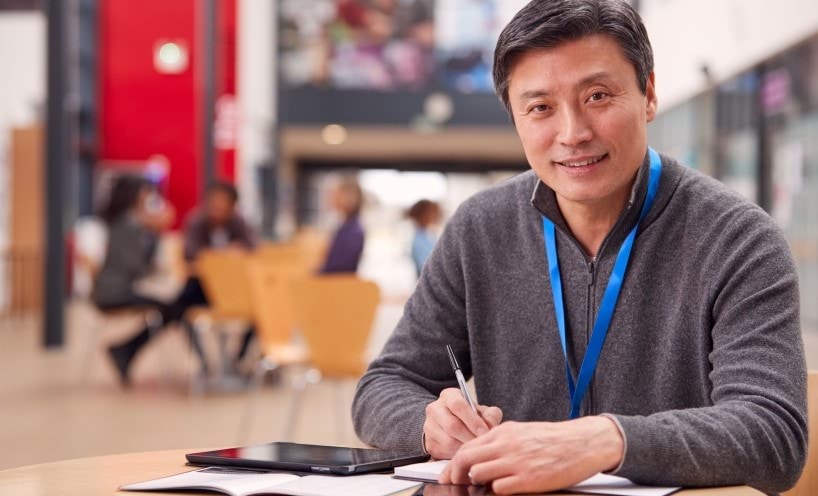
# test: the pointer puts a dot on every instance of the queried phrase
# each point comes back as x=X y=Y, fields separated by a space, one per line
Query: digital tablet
x=307 y=458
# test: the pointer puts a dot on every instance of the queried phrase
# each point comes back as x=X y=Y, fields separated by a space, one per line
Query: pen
x=460 y=380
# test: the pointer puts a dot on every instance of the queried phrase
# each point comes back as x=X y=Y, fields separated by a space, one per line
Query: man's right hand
x=450 y=422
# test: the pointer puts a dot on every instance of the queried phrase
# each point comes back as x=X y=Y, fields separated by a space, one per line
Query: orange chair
x=223 y=275
x=335 y=314
x=273 y=315
x=313 y=244
x=281 y=253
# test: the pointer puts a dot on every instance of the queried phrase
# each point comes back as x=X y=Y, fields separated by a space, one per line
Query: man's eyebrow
x=594 y=77
x=587 y=80
x=531 y=94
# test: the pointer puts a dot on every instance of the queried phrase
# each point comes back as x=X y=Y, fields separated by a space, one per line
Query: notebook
x=598 y=484
x=241 y=482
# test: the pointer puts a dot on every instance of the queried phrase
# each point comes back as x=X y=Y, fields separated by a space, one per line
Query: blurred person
x=424 y=214
x=215 y=225
x=618 y=311
x=135 y=216
x=377 y=44
x=347 y=244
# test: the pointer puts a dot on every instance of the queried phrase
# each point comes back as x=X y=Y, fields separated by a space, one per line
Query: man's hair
x=224 y=187
x=547 y=23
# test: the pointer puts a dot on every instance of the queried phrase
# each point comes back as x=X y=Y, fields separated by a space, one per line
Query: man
x=216 y=225
x=700 y=379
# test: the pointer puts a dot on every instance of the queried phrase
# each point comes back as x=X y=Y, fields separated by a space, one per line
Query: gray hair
x=547 y=23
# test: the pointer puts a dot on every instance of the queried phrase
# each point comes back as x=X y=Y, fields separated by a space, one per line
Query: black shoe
x=121 y=356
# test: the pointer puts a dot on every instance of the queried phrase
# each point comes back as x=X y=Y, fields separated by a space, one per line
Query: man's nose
x=574 y=127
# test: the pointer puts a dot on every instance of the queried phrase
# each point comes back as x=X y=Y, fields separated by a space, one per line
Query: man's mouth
x=582 y=161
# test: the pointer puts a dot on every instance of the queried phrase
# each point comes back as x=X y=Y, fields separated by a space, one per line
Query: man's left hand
x=527 y=457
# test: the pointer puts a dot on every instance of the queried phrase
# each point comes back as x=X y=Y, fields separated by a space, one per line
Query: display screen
x=391 y=45
x=306 y=454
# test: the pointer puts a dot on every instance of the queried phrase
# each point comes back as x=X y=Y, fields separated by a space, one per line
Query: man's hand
x=529 y=457
x=450 y=422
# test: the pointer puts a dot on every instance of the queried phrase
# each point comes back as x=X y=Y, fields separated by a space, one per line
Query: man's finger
x=448 y=439
x=508 y=485
x=491 y=414
x=446 y=476
x=446 y=424
x=460 y=408
x=481 y=450
x=485 y=472
x=442 y=449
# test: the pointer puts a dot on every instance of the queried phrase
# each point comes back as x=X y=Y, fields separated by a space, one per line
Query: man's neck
x=590 y=222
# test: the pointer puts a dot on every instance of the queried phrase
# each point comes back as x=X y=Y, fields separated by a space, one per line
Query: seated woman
x=424 y=214
x=135 y=215
x=348 y=242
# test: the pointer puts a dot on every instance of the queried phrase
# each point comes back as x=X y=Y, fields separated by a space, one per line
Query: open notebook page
x=235 y=482
x=238 y=482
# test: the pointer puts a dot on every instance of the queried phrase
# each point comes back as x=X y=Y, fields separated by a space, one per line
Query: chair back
x=270 y=296
x=279 y=251
x=808 y=483
x=335 y=314
x=313 y=244
x=223 y=275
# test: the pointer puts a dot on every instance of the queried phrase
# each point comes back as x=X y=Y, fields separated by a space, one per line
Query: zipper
x=592 y=263
x=589 y=326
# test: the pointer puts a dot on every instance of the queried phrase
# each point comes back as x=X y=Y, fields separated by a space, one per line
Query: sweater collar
x=545 y=201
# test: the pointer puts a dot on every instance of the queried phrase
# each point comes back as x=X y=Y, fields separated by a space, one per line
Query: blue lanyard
x=606 y=309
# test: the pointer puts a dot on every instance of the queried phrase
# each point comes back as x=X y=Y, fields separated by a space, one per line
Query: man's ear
x=650 y=95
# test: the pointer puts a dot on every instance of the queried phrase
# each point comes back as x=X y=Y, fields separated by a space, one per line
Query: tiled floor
x=49 y=412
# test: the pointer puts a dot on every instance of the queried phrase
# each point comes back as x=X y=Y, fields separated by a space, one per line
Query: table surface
x=103 y=475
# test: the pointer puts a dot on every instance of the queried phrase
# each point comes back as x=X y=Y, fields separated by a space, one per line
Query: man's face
x=582 y=119
x=219 y=207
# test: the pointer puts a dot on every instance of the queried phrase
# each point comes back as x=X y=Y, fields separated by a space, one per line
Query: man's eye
x=598 y=96
x=539 y=109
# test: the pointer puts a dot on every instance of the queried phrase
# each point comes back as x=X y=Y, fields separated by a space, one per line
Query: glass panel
x=795 y=204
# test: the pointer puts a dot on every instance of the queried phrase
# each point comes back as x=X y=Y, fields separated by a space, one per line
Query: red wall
x=143 y=112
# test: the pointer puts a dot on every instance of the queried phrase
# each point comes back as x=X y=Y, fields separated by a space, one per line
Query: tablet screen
x=306 y=456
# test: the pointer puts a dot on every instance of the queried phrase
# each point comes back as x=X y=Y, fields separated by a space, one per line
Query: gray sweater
x=703 y=367
x=128 y=258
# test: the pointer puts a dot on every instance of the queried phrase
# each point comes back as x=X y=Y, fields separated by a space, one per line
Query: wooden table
x=103 y=475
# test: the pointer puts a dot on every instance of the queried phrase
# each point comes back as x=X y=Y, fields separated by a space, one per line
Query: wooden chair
x=334 y=314
x=808 y=483
x=273 y=315
x=223 y=275
x=284 y=253
x=313 y=244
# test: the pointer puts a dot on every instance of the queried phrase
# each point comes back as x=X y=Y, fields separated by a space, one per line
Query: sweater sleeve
x=413 y=368
x=755 y=432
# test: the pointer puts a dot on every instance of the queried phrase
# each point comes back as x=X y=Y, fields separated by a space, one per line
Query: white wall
x=256 y=56
x=22 y=88
x=729 y=36
x=22 y=96
x=22 y=59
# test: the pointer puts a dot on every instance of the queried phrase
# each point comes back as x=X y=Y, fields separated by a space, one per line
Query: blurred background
x=334 y=120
